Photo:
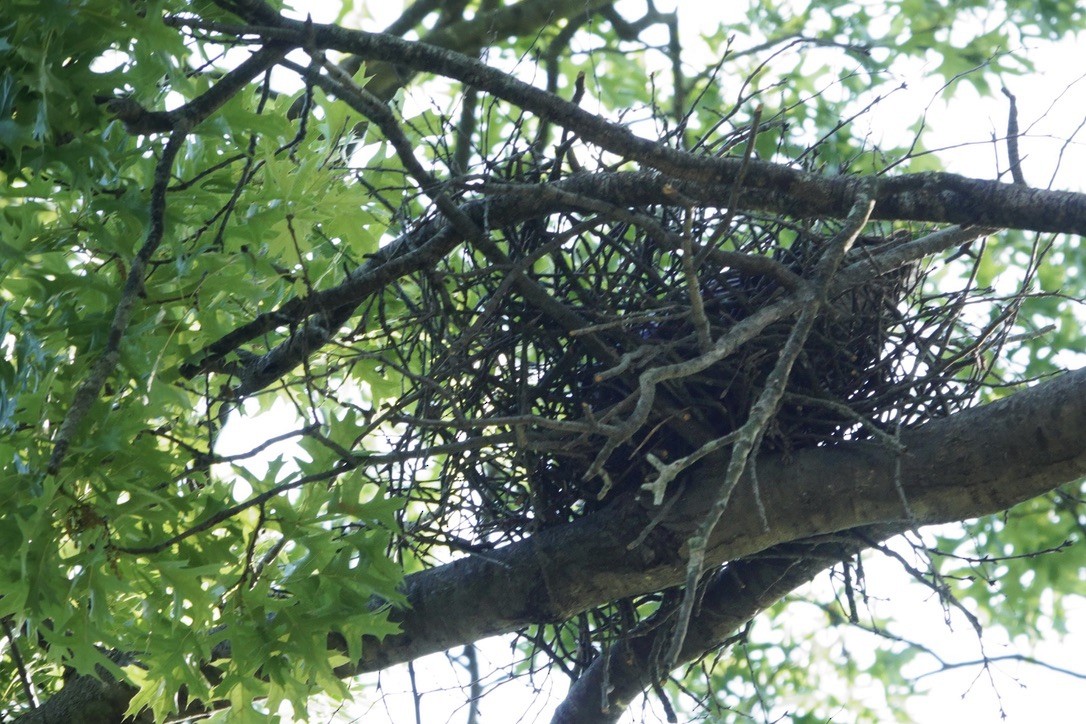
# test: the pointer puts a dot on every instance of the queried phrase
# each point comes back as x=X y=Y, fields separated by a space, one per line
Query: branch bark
x=974 y=463
x=977 y=462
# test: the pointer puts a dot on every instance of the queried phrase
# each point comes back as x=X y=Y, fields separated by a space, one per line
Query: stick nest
x=522 y=368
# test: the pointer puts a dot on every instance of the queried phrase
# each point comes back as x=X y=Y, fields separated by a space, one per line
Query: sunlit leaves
x=243 y=234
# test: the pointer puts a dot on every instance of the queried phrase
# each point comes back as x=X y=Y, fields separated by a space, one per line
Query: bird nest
x=524 y=367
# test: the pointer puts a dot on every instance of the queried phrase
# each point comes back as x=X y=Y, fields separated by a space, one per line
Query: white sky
x=1052 y=103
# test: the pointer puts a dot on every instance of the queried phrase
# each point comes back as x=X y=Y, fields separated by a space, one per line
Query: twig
x=656 y=520
x=737 y=184
x=1012 y=139
x=416 y=696
x=890 y=441
x=886 y=261
x=693 y=288
x=899 y=484
x=259 y=499
x=940 y=589
x=506 y=421
x=20 y=665
x=945 y=666
x=628 y=320
x=266 y=560
x=667 y=473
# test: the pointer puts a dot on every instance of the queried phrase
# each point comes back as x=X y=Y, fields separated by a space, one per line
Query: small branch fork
x=810 y=301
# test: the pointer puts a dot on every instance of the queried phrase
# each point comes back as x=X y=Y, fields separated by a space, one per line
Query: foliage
x=130 y=528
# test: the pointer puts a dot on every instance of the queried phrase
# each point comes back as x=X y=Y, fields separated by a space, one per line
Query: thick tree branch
x=974 y=463
x=733 y=596
x=423 y=246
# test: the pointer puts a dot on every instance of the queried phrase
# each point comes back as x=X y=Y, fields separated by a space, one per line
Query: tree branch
x=110 y=356
x=974 y=463
x=938 y=197
x=424 y=245
x=732 y=596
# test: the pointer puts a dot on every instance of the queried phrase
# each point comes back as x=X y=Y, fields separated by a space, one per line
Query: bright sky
x=1051 y=106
